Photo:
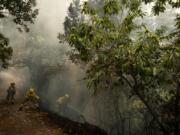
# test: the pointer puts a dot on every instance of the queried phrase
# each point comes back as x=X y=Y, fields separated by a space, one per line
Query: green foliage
x=148 y=65
x=178 y=21
x=5 y=51
x=160 y=6
x=73 y=16
x=111 y=7
x=87 y=9
x=22 y=12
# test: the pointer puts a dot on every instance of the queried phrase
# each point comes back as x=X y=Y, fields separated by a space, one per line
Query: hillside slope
x=15 y=122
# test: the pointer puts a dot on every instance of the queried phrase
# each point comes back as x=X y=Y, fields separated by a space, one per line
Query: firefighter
x=62 y=103
x=11 y=91
x=31 y=100
x=31 y=95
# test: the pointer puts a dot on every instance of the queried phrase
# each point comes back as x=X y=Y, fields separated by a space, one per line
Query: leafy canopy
x=22 y=12
x=146 y=64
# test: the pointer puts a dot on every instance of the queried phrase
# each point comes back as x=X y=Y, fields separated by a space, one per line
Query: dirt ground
x=14 y=122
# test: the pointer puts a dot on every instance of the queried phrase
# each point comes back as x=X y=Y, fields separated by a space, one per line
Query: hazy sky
x=53 y=12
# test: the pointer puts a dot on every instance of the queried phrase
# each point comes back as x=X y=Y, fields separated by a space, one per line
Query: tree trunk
x=177 y=99
x=152 y=113
x=134 y=88
x=119 y=116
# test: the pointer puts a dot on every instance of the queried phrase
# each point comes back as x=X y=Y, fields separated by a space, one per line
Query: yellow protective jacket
x=31 y=94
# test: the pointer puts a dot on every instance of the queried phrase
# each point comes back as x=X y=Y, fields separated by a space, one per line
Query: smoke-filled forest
x=89 y=67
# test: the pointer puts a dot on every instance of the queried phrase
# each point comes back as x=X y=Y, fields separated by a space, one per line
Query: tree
x=73 y=16
x=114 y=59
x=160 y=5
x=22 y=12
x=5 y=50
x=171 y=66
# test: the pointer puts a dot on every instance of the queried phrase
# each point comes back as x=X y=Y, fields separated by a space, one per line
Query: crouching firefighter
x=62 y=103
x=31 y=100
x=11 y=91
x=32 y=96
x=66 y=110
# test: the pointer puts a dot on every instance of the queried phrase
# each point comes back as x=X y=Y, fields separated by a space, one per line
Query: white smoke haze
x=45 y=30
x=50 y=21
x=19 y=76
x=51 y=15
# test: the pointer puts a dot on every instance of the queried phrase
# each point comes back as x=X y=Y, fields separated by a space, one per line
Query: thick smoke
x=49 y=20
x=39 y=60
x=14 y=75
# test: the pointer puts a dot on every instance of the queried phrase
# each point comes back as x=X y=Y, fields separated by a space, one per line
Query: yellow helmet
x=66 y=95
x=31 y=89
x=30 y=92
